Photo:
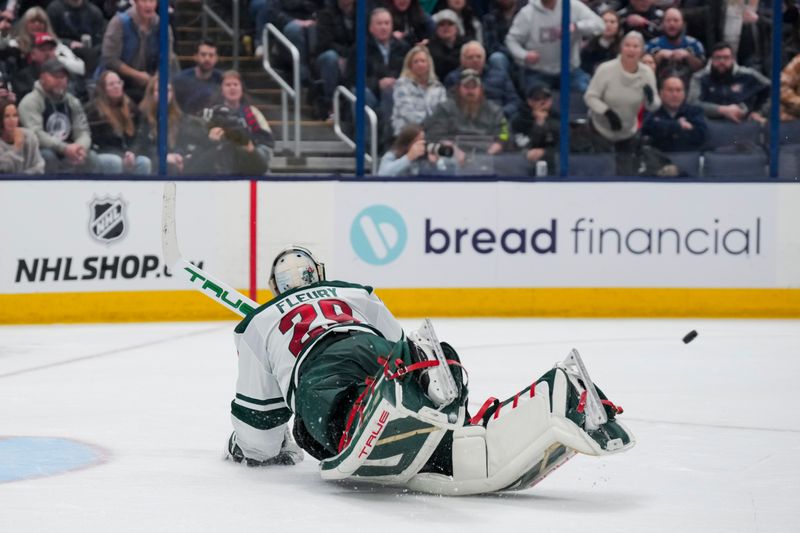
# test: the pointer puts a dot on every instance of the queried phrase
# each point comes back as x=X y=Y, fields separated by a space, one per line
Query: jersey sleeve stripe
x=261 y=419
x=268 y=401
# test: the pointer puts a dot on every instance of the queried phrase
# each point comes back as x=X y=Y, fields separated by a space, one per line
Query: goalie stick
x=200 y=280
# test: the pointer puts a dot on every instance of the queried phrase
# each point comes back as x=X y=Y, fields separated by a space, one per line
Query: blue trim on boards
x=406 y=179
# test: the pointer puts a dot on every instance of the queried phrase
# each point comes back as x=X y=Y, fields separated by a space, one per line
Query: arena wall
x=90 y=251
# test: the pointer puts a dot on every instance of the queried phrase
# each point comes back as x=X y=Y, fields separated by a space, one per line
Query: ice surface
x=716 y=421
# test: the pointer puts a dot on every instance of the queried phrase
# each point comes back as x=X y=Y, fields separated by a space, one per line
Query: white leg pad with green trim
x=515 y=450
x=519 y=446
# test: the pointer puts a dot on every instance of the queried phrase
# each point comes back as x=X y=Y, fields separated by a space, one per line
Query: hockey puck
x=689 y=337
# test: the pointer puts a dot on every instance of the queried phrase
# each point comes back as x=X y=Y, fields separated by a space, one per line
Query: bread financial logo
x=107 y=222
x=378 y=235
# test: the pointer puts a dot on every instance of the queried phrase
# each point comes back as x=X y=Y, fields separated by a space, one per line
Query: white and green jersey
x=274 y=339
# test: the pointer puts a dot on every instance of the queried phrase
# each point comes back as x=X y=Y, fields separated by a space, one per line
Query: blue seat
x=725 y=133
x=577 y=107
x=688 y=162
x=789 y=161
x=592 y=165
x=735 y=165
x=790 y=132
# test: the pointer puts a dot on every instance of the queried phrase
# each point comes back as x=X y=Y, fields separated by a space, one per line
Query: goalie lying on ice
x=376 y=405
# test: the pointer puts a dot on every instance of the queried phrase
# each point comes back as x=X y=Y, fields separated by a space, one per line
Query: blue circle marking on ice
x=32 y=457
x=378 y=234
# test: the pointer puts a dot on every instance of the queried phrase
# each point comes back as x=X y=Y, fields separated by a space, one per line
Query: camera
x=223 y=117
x=439 y=149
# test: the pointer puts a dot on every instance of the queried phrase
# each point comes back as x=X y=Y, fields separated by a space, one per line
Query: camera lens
x=440 y=150
x=445 y=151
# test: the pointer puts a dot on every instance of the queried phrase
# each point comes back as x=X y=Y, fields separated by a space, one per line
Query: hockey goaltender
x=375 y=404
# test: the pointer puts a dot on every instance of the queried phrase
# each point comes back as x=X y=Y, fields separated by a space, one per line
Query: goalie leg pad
x=516 y=448
x=520 y=441
x=397 y=433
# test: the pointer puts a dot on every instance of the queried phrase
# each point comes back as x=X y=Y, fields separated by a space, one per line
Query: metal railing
x=233 y=32
x=372 y=157
x=286 y=90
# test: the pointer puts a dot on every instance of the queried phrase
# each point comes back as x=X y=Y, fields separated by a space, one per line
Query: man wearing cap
x=446 y=42
x=468 y=113
x=44 y=48
x=59 y=122
x=534 y=41
x=536 y=131
x=497 y=84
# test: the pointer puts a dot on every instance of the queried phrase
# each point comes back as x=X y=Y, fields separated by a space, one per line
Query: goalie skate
x=593 y=413
x=437 y=381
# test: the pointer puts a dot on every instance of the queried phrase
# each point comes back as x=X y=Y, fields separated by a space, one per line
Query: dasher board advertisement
x=91 y=236
x=654 y=235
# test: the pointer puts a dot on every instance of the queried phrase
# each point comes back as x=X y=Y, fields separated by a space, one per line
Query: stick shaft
x=200 y=280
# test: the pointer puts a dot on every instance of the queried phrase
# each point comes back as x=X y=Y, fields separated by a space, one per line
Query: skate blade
x=594 y=410
x=442 y=389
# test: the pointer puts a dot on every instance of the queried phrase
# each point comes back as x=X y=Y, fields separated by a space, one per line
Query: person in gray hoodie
x=534 y=41
x=59 y=122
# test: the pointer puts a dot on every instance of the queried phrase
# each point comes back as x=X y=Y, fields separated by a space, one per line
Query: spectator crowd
x=79 y=94
x=454 y=83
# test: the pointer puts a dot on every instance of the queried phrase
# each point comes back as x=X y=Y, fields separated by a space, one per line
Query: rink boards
x=76 y=251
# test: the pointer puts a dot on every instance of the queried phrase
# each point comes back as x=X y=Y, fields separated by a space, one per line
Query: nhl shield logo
x=107 y=222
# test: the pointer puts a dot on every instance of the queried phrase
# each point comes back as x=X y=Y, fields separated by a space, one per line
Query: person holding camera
x=411 y=156
x=238 y=131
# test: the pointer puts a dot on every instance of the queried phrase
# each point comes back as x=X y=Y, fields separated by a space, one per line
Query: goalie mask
x=294 y=267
